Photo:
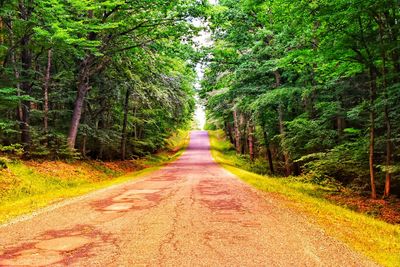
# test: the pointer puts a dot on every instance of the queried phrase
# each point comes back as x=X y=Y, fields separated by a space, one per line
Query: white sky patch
x=203 y=39
x=200 y=115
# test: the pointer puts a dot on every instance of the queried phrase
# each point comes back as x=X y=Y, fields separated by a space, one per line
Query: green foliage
x=135 y=59
x=3 y=163
x=14 y=149
x=313 y=78
x=307 y=136
x=346 y=162
x=9 y=98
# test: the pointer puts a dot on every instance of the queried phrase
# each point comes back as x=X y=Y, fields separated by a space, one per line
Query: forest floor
x=387 y=210
x=353 y=220
x=26 y=186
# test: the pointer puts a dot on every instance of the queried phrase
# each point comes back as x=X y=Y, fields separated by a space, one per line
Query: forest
x=299 y=87
x=309 y=87
x=94 y=79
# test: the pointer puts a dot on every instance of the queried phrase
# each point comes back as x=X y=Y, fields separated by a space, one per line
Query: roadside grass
x=28 y=186
x=378 y=240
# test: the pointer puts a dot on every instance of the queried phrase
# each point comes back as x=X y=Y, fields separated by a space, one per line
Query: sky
x=200 y=115
x=203 y=40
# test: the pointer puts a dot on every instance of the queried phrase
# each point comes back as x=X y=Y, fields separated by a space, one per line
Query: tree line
x=105 y=79
x=312 y=86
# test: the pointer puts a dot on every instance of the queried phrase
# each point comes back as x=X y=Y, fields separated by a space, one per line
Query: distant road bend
x=189 y=213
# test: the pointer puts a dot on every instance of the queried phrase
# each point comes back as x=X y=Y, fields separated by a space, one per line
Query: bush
x=14 y=149
x=345 y=163
x=52 y=146
x=3 y=163
x=259 y=166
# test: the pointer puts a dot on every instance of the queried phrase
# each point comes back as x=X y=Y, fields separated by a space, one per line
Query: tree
x=315 y=74
x=120 y=72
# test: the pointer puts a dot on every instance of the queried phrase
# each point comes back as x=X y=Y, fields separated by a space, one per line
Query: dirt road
x=189 y=213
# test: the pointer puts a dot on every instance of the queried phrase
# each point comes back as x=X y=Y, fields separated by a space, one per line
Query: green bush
x=3 y=163
x=52 y=146
x=14 y=149
x=345 y=163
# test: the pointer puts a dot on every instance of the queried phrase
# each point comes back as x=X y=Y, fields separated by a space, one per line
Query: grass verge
x=375 y=239
x=28 y=186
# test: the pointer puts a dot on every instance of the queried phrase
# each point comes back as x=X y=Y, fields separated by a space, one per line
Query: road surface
x=189 y=213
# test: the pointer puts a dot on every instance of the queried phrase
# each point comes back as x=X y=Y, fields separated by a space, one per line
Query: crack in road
x=170 y=237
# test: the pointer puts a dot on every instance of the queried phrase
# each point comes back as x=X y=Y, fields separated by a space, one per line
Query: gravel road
x=189 y=213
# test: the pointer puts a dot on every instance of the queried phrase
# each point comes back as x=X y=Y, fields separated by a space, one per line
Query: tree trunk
x=268 y=153
x=83 y=87
x=16 y=73
x=243 y=141
x=251 y=140
x=228 y=131
x=26 y=86
x=389 y=148
x=286 y=157
x=372 y=132
x=46 y=93
x=237 y=131
x=101 y=150
x=124 y=124
x=340 y=126
x=243 y=134
x=277 y=78
x=135 y=128
x=84 y=141
x=84 y=133
x=231 y=138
